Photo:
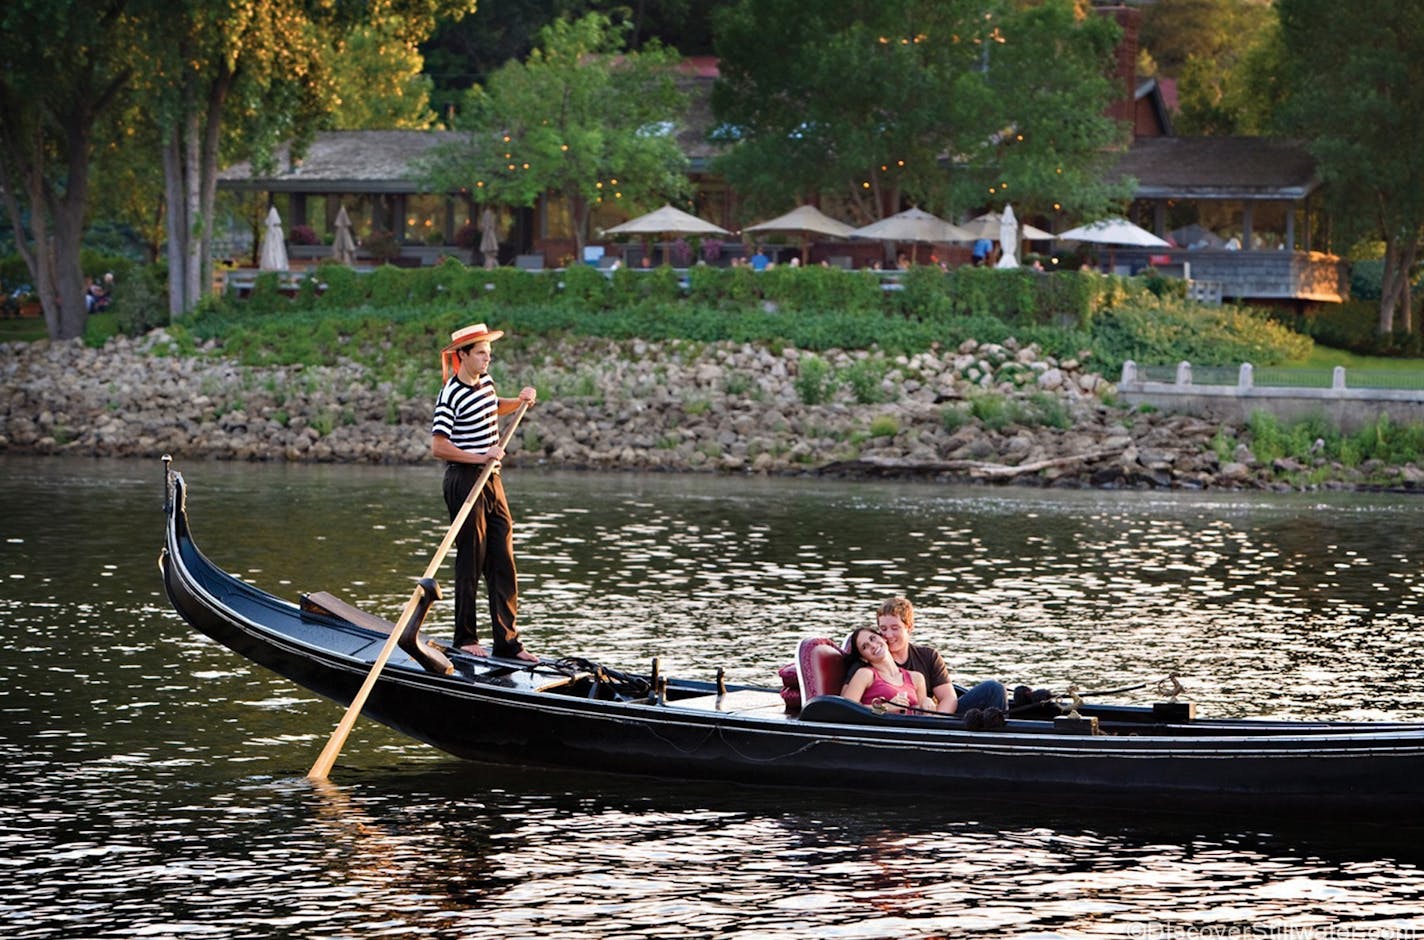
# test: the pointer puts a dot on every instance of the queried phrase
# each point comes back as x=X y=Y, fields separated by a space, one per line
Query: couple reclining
x=883 y=667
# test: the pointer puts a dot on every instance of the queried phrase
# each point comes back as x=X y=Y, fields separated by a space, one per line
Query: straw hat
x=465 y=336
x=474 y=333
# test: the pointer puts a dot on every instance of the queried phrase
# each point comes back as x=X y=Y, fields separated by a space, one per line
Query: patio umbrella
x=1114 y=231
x=666 y=221
x=987 y=226
x=343 y=246
x=1009 y=239
x=273 y=255
x=805 y=221
x=914 y=225
x=489 y=240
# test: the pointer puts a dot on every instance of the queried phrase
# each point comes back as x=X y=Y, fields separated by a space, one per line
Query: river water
x=154 y=783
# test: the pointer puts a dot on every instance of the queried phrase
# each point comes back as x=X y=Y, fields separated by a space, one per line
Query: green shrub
x=344 y=288
x=884 y=426
x=815 y=380
x=266 y=295
x=585 y=288
x=864 y=376
x=954 y=417
x=925 y=294
x=1008 y=294
x=991 y=409
x=1354 y=326
x=1174 y=330
x=140 y=301
x=390 y=286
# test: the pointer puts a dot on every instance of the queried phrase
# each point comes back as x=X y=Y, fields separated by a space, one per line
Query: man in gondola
x=896 y=619
x=465 y=434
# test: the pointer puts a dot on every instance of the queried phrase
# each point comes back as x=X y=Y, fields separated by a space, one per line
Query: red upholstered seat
x=820 y=668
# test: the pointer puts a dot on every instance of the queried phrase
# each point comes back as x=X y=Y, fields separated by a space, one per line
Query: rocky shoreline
x=979 y=412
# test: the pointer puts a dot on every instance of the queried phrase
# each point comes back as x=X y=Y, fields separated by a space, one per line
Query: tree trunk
x=190 y=158
x=1389 y=286
x=176 y=222
x=1410 y=252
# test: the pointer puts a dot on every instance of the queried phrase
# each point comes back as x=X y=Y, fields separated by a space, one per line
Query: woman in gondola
x=873 y=678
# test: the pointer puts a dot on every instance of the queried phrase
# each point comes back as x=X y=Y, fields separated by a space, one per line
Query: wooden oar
x=322 y=768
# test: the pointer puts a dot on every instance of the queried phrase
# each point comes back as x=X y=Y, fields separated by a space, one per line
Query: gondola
x=580 y=714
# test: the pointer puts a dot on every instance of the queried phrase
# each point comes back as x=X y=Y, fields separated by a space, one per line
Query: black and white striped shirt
x=468 y=414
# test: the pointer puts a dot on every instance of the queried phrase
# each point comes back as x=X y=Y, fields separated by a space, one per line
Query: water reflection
x=153 y=780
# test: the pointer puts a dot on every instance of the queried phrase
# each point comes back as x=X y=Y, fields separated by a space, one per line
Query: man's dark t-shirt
x=927 y=662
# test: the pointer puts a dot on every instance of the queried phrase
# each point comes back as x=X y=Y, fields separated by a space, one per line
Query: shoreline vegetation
x=992 y=413
x=979 y=375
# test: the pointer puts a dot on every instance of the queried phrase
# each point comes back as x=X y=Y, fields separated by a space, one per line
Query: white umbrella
x=273 y=256
x=343 y=246
x=489 y=239
x=987 y=226
x=1114 y=231
x=805 y=221
x=1009 y=239
x=913 y=225
x=667 y=221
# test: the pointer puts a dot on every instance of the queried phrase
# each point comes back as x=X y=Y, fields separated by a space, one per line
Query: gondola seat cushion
x=790 y=688
x=820 y=668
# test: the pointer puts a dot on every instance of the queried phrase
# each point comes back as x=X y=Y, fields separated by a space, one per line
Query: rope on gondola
x=763 y=760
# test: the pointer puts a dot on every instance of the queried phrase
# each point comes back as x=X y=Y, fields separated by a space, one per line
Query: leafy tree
x=869 y=100
x=1054 y=154
x=579 y=119
x=1355 y=91
x=73 y=69
x=1225 y=55
x=127 y=180
x=468 y=51
x=1178 y=31
x=377 y=73
x=236 y=77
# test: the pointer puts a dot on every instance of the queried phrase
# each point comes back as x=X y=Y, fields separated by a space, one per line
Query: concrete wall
x=1348 y=409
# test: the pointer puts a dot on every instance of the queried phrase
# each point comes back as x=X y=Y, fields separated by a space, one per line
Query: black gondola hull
x=494 y=711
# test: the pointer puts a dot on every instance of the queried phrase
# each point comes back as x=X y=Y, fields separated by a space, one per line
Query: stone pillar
x=1246 y=378
x=1184 y=373
x=1337 y=379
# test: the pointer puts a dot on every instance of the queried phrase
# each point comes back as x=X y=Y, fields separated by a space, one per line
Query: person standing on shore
x=465 y=434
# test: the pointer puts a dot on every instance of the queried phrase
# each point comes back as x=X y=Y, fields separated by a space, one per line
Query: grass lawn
x=1322 y=357
x=28 y=329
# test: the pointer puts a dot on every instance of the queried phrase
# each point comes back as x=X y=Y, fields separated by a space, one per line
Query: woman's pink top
x=879 y=688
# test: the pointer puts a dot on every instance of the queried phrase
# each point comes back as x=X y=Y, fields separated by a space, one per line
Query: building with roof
x=1239 y=212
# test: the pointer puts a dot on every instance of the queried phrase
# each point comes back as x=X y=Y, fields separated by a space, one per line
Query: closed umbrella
x=806 y=221
x=489 y=239
x=343 y=246
x=914 y=225
x=1009 y=239
x=273 y=255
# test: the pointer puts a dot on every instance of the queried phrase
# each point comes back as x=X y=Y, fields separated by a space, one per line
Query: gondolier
x=465 y=434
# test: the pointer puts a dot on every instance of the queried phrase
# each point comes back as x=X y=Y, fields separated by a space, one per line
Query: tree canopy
x=936 y=102
x=581 y=119
x=1355 y=92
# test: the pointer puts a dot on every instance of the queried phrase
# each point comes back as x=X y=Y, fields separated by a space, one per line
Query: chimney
x=1129 y=19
